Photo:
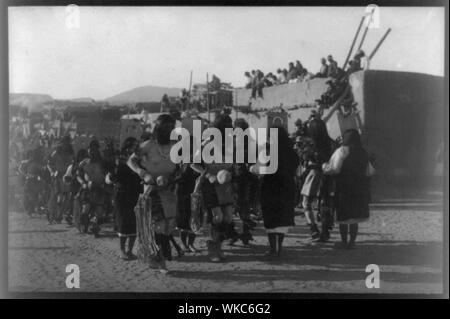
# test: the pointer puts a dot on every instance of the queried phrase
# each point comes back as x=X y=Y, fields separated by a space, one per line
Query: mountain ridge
x=147 y=93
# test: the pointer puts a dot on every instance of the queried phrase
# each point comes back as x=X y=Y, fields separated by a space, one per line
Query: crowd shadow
x=37 y=248
x=258 y=275
x=429 y=207
x=107 y=234
x=326 y=263
x=30 y=231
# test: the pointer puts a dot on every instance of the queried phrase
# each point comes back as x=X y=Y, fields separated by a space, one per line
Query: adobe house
x=401 y=118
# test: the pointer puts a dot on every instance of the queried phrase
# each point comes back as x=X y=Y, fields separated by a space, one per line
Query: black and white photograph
x=227 y=149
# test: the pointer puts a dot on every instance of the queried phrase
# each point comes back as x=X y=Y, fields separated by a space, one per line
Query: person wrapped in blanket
x=351 y=165
x=278 y=192
x=128 y=187
x=217 y=190
x=91 y=176
x=152 y=163
x=57 y=165
x=318 y=186
x=32 y=169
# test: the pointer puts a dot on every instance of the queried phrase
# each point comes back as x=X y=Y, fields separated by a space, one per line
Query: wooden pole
x=207 y=97
x=236 y=109
x=365 y=30
x=379 y=44
x=190 y=87
x=353 y=43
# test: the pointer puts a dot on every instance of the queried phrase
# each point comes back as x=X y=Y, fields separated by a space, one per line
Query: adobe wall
x=289 y=94
x=403 y=121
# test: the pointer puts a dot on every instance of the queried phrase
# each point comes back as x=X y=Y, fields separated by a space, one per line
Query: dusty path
x=404 y=239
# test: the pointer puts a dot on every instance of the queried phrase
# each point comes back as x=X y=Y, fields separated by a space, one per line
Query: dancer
x=156 y=208
x=70 y=178
x=186 y=181
x=242 y=184
x=57 y=165
x=217 y=192
x=128 y=187
x=32 y=169
x=350 y=163
x=91 y=176
x=318 y=186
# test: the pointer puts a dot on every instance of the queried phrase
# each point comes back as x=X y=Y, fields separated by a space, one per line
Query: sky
x=115 y=49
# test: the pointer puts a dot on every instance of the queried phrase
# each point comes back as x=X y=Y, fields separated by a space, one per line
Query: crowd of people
x=257 y=80
x=149 y=197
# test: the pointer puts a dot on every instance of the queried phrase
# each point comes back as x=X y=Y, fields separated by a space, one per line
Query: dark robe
x=352 y=188
x=128 y=189
x=278 y=191
x=184 y=187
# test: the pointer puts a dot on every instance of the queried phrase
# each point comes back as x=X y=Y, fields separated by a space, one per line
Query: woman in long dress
x=278 y=194
x=153 y=165
x=350 y=163
x=128 y=188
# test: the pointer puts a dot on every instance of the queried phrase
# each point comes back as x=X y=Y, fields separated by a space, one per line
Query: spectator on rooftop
x=361 y=60
x=258 y=84
x=323 y=73
x=353 y=66
x=267 y=80
x=292 y=73
x=280 y=77
x=301 y=71
x=249 y=80
x=285 y=73
x=215 y=83
x=332 y=67
x=254 y=79
x=272 y=79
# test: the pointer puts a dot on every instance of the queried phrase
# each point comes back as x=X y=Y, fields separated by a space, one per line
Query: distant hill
x=37 y=102
x=143 y=94
x=82 y=99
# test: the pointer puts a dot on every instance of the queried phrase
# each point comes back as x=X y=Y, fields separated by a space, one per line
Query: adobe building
x=400 y=116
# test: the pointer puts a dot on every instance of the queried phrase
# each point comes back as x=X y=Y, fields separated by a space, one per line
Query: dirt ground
x=404 y=238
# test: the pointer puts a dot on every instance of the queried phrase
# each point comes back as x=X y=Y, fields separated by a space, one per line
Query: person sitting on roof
x=332 y=67
x=353 y=66
x=272 y=79
x=215 y=83
x=281 y=77
x=301 y=71
x=323 y=73
x=269 y=80
x=249 y=80
x=258 y=84
x=361 y=60
x=292 y=73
